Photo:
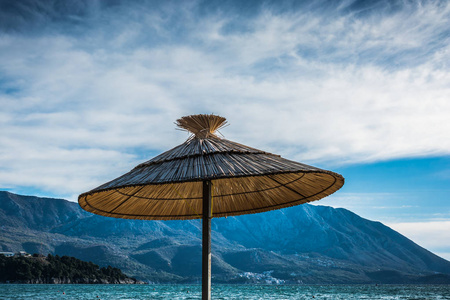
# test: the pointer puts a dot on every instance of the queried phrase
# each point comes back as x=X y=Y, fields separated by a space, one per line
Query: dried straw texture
x=202 y=126
x=245 y=180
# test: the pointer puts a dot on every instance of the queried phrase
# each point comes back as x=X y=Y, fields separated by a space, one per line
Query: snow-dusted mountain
x=302 y=244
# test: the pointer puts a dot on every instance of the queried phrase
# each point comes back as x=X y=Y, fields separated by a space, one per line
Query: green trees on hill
x=56 y=269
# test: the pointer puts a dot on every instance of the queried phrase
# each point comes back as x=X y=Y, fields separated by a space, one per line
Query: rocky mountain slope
x=303 y=244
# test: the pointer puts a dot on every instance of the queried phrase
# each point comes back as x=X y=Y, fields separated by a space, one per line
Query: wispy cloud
x=393 y=207
x=94 y=89
x=430 y=235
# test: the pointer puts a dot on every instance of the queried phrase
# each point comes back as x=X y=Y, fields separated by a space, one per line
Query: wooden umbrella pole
x=206 y=241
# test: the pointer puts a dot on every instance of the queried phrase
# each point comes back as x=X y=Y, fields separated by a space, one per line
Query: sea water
x=222 y=291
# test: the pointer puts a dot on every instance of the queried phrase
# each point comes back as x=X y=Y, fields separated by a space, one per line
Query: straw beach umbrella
x=205 y=177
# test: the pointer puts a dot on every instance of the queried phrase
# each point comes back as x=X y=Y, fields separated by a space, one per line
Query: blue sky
x=89 y=89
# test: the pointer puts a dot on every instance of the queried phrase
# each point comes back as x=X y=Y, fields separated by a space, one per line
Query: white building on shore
x=12 y=254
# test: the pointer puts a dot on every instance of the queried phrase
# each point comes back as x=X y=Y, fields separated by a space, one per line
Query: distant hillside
x=302 y=244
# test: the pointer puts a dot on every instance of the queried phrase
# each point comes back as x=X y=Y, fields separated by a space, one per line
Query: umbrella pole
x=206 y=241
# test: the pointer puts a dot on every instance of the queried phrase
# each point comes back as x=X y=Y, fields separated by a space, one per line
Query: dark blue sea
x=278 y=292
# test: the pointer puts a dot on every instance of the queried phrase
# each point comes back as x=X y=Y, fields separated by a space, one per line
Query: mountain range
x=302 y=244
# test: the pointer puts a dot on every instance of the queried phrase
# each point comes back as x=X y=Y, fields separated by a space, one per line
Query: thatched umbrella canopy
x=208 y=176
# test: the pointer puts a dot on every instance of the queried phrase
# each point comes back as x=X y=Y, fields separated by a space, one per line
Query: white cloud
x=434 y=236
x=308 y=85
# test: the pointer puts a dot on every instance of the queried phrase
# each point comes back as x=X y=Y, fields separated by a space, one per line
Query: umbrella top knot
x=202 y=126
